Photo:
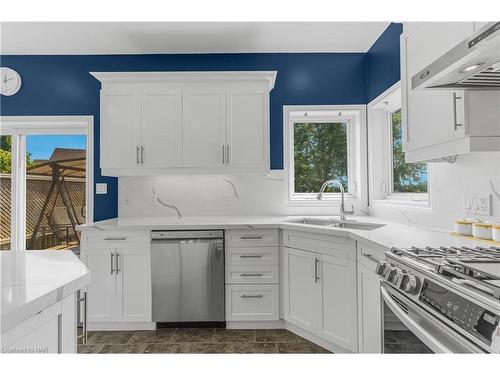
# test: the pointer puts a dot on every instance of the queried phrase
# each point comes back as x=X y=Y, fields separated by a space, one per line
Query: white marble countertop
x=36 y=279
x=392 y=234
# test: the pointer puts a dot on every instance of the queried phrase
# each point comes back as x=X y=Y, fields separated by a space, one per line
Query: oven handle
x=429 y=340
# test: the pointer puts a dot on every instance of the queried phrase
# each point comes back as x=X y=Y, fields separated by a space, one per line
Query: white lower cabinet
x=369 y=301
x=320 y=295
x=52 y=330
x=252 y=302
x=252 y=275
x=120 y=289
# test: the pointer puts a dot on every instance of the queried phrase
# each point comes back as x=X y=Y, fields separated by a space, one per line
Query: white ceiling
x=22 y=38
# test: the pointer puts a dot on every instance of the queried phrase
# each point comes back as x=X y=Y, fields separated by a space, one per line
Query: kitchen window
x=322 y=143
x=407 y=178
x=393 y=181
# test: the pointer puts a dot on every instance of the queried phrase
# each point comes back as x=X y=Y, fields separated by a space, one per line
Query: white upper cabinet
x=204 y=136
x=161 y=126
x=439 y=123
x=187 y=122
x=248 y=128
x=120 y=130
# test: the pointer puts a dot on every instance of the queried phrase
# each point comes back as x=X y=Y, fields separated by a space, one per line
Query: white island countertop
x=392 y=234
x=33 y=280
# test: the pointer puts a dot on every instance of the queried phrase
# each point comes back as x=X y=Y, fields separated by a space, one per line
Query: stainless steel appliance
x=448 y=298
x=187 y=276
x=472 y=64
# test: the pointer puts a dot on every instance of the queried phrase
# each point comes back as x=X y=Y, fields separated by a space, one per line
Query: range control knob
x=400 y=278
x=381 y=268
x=391 y=274
x=411 y=285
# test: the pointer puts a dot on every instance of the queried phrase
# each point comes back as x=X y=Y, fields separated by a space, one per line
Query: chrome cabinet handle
x=251 y=237
x=137 y=154
x=223 y=155
x=316 y=276
x=115 y=238
x=227 y=154
x=117 y=262
x=252 y=296
x=142 y=154
x=83 y=300
x=455 y=98
x=112 y=259
x=251 y=274
x=250 y=256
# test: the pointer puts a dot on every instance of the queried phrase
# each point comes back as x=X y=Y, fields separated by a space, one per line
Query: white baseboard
x=315 y=339
x=121 y=326
x=275 y=324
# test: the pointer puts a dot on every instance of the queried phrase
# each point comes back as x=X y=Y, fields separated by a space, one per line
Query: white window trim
x=20 y=126
x=390 y=101
x=355 y=115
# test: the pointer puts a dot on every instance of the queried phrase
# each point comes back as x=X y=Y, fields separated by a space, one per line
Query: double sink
x=334 y=223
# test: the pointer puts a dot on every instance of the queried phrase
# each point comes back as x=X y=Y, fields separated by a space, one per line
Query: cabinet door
x=102 y=288
x=134 y=285
x=204 y=128
x=429 y=116
x=339 y=308
x=120 y=128
x=369 y=311
x=161 y=128
x=302 y=290
x=248 y=129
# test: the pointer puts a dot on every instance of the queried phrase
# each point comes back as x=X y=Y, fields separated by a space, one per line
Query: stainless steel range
x=448 y=297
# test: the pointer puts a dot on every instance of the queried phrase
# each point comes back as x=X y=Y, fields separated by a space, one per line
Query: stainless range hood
x=472 y=64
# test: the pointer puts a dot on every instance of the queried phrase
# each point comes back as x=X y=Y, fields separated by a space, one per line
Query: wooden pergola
x=59 y=171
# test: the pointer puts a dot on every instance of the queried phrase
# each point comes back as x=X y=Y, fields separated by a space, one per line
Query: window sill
x=326 y=202
x=402 y=203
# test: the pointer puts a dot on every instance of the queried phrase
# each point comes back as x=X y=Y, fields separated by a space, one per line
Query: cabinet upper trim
x=156 y=77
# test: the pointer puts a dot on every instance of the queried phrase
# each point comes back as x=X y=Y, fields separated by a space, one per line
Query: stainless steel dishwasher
x=187 y=276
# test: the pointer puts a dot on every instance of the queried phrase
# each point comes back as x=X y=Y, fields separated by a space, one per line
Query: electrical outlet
x=477 y=204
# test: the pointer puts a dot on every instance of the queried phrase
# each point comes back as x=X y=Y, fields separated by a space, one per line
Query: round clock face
x=10 y=81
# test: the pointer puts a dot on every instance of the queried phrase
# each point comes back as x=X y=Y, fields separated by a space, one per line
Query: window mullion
x=18 y=189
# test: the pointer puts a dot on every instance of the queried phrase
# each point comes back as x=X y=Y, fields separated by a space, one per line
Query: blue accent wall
x=382 y=62
x=62 y=85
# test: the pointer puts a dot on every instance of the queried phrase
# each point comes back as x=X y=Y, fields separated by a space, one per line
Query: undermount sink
x=336 y=223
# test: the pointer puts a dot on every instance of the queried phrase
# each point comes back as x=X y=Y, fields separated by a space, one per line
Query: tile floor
x=198 y=340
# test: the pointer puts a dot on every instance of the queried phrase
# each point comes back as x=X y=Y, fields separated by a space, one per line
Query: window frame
x=381 y=169
x=354 y=116
x=394 y=195
x=18 y=127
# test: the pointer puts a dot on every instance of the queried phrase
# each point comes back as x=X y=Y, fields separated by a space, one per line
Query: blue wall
x=62 y=85
x=382 y=62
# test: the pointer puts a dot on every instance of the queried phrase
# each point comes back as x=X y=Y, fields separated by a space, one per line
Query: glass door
x=55 y=188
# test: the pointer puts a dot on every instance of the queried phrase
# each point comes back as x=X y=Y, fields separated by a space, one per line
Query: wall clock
x=10 y=81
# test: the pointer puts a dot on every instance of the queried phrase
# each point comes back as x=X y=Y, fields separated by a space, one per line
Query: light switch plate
x=101 y=188
x=477 y=204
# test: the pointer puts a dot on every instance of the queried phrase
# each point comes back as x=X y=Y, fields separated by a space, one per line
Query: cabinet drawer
x=252 y=302
x=338 y=246
x=106 y=237
x=251 y=274
x=252 y=237
x=369 y=257
x=252 y=256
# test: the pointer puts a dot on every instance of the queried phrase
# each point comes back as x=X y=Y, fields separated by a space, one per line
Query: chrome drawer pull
x=252 y=296
x=117 y=262
x=115 y=238
x=251 y=274
x=250 y=256
x=251 y=237
x=316 y=263
x=112 y=269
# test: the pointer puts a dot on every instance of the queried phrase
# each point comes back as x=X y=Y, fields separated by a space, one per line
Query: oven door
x=410 y=329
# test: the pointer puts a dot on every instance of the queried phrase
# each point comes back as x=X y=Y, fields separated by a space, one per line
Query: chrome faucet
x=343 y=212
